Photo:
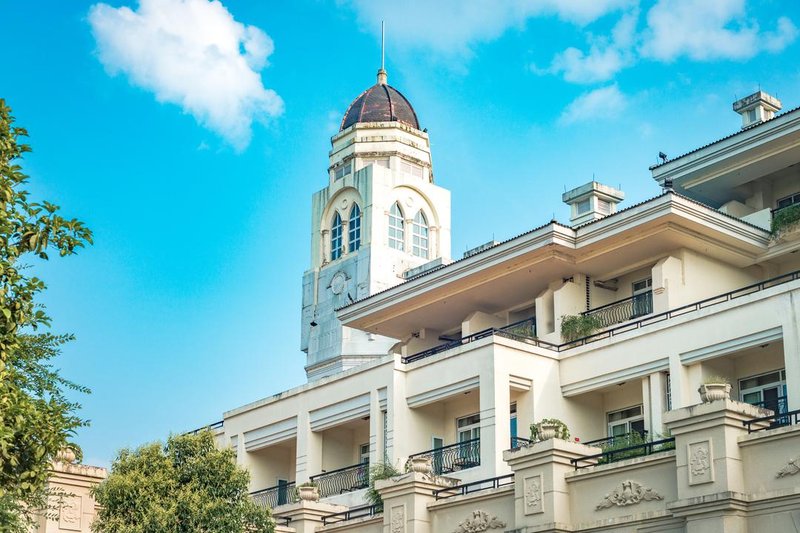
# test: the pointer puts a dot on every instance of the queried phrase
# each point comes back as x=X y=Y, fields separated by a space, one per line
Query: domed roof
x=380 y=103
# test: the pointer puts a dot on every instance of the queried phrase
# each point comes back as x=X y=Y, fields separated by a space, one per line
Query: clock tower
x=379 y=217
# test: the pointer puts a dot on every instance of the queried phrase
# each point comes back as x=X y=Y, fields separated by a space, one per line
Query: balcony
x=448 y=459
x=347 y=479
x=272 y=497
x=620 y=311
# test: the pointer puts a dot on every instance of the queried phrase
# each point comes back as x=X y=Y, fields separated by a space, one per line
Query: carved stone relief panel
x=480 y=521
x=701 y=462
x=397 y=522
x=69 y=515
x=791 y=468
x=628 y=493
x=532 y=494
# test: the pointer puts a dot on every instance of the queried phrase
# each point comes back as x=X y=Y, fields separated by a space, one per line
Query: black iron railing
x=523 y=328
x=210 y=427
x=351 y=514
x=788 y=418
x=520 y=442
x=634 y=437
x=275 y=496
x=622 y=310
x=343 y=480
x=777 y=405
x=620 y=454
x=282 y=520
x=459 y=456
x=474 y=486
x=624 y=328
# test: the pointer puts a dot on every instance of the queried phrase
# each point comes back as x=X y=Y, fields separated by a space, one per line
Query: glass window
x=363 y=453
x=789 y=200
x=336 y=237
x=583 y=206
x=354 y=229
x=765 y=390
x=625 y=421
x=420 y=236
x=396 y=228
x=408 y=168
x=343 y=171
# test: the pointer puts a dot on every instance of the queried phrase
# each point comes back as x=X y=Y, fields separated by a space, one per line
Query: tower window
x=336 y=237
x=396 y=228
x=408 y=168
x=354 y=229
x=420 y=234
x=343 y=171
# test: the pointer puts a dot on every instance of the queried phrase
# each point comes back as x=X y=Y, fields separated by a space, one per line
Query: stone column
x=405 y=502
x=309 y=449
x=657 y=407
x=710 y=478
x=495 y=402
x=679 y=383
x=306 y=516
x=791 y=349
x=375 y=429
x=541 y=494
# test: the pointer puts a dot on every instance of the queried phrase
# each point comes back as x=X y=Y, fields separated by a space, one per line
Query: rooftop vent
x=479 y=249
x=756 y=108
x=592 y=201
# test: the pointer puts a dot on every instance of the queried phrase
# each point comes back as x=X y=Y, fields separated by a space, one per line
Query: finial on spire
x=382 y=71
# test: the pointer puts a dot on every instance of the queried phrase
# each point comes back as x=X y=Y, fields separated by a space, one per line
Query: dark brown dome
x=380 y=103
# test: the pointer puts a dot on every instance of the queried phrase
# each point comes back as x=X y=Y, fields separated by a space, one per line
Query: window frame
x=354 y=229
x=421 y=232
x=396 y=228
x=337 y=237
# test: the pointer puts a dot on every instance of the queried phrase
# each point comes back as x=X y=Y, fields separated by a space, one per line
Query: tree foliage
x=187 y=485
x=36 y=418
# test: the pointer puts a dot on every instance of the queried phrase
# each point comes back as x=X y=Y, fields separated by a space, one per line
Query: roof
x=380 y=103
x=740 y=132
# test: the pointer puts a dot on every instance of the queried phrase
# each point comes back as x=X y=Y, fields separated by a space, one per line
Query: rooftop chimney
x=756 y=108
x=592 y=201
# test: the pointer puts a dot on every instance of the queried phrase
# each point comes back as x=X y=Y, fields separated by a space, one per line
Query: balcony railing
x=622 y=310
x=620 y=454
x=275 y=496
x=475 y=486
x=459 y=456
x=776 y=420
x=777 y=405
x=211 y=427
x=351 y=514
x=634 y=437
x=343 y=480
x=624 y=328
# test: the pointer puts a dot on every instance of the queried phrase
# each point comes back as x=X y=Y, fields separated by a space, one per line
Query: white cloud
x=192 y=53
x=702 y=30
x=602 y=102
x=453 y=26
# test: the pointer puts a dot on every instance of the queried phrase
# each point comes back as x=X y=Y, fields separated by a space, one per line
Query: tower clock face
x=338 y=283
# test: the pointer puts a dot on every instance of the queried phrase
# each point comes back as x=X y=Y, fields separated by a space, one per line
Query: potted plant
x=549 y=428
x=420 y=465
x=715 y=388
x=308 y=491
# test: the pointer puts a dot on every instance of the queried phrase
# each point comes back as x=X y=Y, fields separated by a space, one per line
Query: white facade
x=457 y=361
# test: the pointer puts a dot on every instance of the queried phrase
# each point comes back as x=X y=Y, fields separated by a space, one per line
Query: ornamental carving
x=700 y=463
x=480 y=521
x=533 y=494
x=791 y=468
x=628 y=493
x=398 y=519
x=70 y=513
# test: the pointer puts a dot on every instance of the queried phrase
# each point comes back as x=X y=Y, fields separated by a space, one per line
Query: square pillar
x=541 y=493
x=791 y=350
x=710 y=476
x=306 y=516
x=679 y=383
x=656 y=405
x=309 y=449
x=495 y=403
x=406 y=499
x=376 y=451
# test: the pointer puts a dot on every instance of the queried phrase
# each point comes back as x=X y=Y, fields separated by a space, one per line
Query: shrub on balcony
x=785 y=219
x=562 y=432
x=574 y=327
x=378 y=472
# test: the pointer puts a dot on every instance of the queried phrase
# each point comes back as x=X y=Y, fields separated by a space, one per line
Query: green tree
x=187 y=485
x=36 y=419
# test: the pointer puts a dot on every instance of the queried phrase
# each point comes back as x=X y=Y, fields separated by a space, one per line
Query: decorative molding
x=480 y=521
x=791 y=468
x=700 y=462
x=604 y=380
x=451 y=389
x=532 y=494
x=397 y=523
x=69 y=515
x=270 y=434
x=628 y=493
x=733 y=345
x=339 y=412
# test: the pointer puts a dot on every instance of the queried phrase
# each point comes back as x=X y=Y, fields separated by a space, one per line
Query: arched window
x=396 y=228
x=420 y=242
x=354 y=229
x=336 y=237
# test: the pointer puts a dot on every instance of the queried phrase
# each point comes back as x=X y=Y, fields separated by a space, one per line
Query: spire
x=382 y=70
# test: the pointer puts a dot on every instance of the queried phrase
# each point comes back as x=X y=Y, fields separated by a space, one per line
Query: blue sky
x=190 y=136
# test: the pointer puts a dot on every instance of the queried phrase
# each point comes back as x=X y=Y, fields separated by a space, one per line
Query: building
x=609 y=323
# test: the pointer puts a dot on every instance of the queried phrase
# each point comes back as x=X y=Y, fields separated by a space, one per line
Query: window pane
x=396 y=230
x=336 y=238
x=354 y=229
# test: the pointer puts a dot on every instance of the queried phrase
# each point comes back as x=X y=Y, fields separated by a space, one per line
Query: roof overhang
x=711 y=172
x=516 y=271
